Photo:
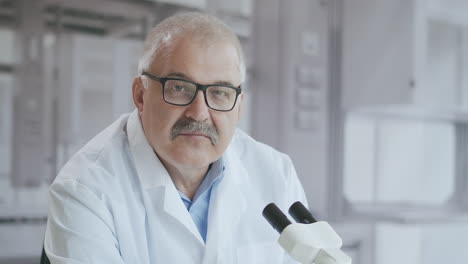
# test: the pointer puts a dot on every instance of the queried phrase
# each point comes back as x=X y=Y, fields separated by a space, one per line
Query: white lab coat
x=114 y=202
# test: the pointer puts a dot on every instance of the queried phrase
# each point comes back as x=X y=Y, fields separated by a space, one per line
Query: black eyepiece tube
x=300 y=213
x=275 y=217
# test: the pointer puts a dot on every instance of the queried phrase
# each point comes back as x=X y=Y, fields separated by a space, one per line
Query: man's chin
x=194 y=163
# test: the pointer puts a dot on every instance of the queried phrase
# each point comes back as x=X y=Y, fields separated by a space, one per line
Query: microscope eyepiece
x=300 y=213
x=275 y=217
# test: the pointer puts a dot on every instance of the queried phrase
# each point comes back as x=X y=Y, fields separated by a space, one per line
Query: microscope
x=308 y=241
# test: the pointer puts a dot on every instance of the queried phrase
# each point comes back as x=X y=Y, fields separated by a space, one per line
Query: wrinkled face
x=176 y=132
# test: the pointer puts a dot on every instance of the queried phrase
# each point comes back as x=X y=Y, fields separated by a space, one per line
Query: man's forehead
x=187 y=77
x=212 y=63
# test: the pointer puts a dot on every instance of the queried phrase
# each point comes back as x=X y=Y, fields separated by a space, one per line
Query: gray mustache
x=191 y=126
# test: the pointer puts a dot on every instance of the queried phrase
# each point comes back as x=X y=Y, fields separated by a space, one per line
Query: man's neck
x=186 y=180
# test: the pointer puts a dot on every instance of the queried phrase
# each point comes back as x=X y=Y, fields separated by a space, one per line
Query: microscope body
x=308 y=241
x=315 y=243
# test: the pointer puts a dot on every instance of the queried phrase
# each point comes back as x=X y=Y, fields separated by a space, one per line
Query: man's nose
x=198 y=110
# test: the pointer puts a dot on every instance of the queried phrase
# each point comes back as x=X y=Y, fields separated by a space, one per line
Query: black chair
x=44 y=258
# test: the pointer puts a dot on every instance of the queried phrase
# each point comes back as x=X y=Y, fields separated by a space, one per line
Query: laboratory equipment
x=307 y=241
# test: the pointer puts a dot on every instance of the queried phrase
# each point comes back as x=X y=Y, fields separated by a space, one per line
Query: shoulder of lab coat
x=278 y=175
x=80 y=227
x=274 y=180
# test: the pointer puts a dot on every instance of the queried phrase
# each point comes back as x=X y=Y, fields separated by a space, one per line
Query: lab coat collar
x=150 y=170
x=155 y=179
x=227 y=205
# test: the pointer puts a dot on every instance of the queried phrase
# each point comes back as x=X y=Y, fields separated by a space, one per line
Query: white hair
x=203 y=27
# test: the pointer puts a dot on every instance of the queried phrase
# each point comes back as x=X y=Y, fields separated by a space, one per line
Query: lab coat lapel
x=155 y=180
x=174 y=206
x=227 y=204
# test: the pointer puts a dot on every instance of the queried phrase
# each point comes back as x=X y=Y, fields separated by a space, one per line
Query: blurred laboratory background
x=368 y=97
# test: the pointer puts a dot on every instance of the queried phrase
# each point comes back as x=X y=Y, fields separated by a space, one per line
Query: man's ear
x=138 y=90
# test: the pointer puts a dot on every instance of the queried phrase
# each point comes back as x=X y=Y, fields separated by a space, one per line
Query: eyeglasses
x=182 y=92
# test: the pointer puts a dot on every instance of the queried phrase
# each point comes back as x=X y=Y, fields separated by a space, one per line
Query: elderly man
x=174 y=181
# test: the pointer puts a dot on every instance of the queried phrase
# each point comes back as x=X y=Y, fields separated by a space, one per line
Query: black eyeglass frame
x=200 y=87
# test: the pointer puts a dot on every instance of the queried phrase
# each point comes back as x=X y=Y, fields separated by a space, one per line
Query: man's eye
x=220 y=93
x=178 y=88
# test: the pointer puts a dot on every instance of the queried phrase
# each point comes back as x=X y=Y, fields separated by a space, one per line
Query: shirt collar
x=214 y=175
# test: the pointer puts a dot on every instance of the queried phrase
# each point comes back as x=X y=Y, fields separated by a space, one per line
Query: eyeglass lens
x=181 y=93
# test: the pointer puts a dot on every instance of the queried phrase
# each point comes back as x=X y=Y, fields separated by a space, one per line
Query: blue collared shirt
x=198 y=207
